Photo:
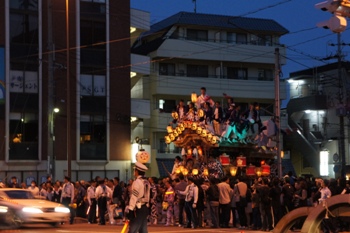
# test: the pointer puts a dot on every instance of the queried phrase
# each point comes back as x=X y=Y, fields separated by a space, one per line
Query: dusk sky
x=306 y=44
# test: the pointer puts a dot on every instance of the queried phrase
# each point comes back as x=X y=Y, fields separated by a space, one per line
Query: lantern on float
x=241 y=161
x=195 y=171
x=205 y=172
x=194 y=126
x=199 y=130
x=201 y=113
x=199 y=151
x=265 y=170
x=209 y=136
x=224 y=159
x=194 y=97
x=250 y=170
x=189 y=151
x=181 y=167
x=214 y=140
x=178 y=130
x=167 y=140
x=172 y=137
x=185 y=172
x=177 y=170
x=233 y=170
x=204 y=133
x=169 y=129
x=175 y=133
x=181 y=126
x=175 y=115
x=258 y=171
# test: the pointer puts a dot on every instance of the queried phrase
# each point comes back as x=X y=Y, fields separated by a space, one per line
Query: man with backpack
x=103 y=195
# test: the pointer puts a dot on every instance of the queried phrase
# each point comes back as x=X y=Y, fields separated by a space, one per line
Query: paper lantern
x=177 y=170
x=167 y=140
x=172 y=137
x=181 y=126
x=224 y=160
x=201 y=113
x=175 y=133
x=214 y=140
x=265 y=170
x=241 y=161
x=185 y=172
x=194 y=126
x=181 y=167
x=258 y=171
x=250 y=170
x=204 y=133
x=199 y=151
x=175 y=115
x=178 y=130
x=209 y=136
x=142 y=156
x=233 y=171
x=194 y=171
x=189 y=151
x=169 y=129
x=199 y=130
x=194 y=97
x=205 y=172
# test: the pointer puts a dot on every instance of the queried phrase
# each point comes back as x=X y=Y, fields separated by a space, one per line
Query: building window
x=197 y=71
x=241 y=38
x=167 y=105
x=23 y=81
x=92 y=85
x=93 y=143
x=237 y=73
x=23 y=136
x=198 y=35
x=167 y=69
x=265 y=74
x=231 y=37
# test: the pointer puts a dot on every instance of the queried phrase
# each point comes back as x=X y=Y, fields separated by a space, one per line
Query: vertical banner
x=2 y=75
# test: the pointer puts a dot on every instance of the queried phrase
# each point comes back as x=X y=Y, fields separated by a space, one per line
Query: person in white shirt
x=34 y=189
x=191 y=193
x=202 y=98
x=225 y=201
x=103 y=194
x=67 y=196
x=92 y=202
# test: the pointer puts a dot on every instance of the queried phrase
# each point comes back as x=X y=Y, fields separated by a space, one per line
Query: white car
x=19 y=206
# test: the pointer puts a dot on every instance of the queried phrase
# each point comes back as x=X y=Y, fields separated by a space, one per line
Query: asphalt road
x=85 y=228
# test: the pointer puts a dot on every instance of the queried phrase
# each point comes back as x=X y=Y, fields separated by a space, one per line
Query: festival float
x=235 y=151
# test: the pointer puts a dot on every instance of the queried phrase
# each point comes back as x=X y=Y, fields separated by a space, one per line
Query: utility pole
x=195 y=5
x=341 y=112
x=69 y=155
x=278 y=111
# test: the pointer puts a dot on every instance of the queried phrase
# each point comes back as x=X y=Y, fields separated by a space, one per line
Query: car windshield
x=19 y=194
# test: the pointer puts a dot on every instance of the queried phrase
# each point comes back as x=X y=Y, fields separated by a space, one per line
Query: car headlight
x=62 y=210
x=32 y=210
x=3 y=209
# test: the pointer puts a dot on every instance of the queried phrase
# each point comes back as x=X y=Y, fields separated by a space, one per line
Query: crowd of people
x=229 y=202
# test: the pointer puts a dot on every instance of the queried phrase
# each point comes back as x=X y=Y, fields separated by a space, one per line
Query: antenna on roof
x=195 y=5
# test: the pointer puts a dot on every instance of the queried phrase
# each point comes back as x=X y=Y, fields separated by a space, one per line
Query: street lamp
x=51 y=164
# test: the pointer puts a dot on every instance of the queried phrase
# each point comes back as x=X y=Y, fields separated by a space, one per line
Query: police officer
x=137 y=210
x=67 y=196
x=92 y=202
